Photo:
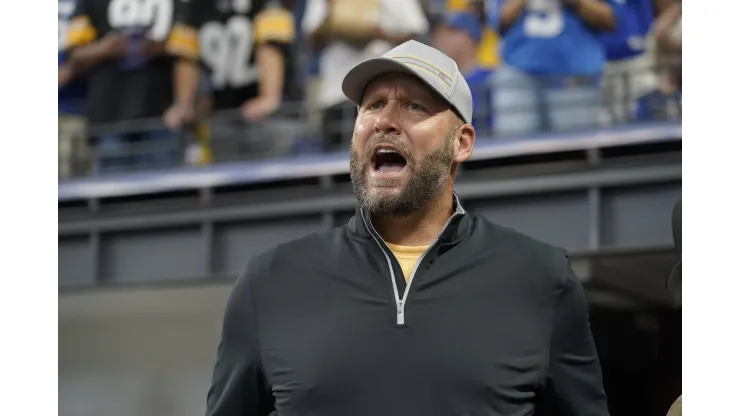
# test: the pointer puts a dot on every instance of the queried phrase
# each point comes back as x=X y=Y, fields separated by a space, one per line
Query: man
x=243 y=45
x=346 y=32
x=119 y=46
x=552 y=63
x=674 y=284
x=458 y=36
x=415 y=307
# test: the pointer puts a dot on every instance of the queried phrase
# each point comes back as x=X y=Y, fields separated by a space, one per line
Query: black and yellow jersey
x=121 y=90
x=224 y=35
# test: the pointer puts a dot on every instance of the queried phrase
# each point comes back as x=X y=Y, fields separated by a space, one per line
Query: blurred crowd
x=147 y=84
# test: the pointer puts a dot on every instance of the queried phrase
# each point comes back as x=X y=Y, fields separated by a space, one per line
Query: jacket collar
x=456 y=230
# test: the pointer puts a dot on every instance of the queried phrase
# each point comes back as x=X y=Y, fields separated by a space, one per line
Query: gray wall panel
x=235 y=243
x=559 y=219
x=219 y=239
x=153 y=255
x=140 y=367
x=638 y=216
x=75 y=265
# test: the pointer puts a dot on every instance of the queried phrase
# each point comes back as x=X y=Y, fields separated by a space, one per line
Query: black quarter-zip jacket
x=491 y=323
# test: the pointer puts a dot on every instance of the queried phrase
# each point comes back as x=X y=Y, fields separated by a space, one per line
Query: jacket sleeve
x=238 y=386
x=574 y=384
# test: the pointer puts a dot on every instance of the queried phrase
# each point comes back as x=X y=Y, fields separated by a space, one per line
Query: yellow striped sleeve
x=80 y=32
x=274 y=25
x=183 y=41
x=488 y=49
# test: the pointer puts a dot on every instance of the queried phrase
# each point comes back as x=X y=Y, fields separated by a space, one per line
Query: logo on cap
x=445 y=77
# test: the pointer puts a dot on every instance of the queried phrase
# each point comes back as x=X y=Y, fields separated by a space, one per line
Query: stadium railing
x=294 y=130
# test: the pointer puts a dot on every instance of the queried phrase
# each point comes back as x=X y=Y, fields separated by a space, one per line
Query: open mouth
x=388 y=160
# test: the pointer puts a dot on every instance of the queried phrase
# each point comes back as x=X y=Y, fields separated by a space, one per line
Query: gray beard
x=427 y=180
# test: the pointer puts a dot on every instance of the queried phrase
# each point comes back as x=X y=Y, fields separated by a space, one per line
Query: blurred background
x=164 y=196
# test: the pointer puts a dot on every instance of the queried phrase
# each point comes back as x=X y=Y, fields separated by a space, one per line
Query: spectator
x=664 y=102
x=553 y=59
x=120 y=48
x=631 y=71
x=72 y=124
x=244 y=45
x=488 y=47
x=458 y=37
x=348 y=32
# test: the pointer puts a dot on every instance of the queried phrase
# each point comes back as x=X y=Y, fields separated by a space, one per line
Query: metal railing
x=503 y=111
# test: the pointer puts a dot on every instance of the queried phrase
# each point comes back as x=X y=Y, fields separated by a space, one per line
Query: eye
x=416 y=107
x=374 y=106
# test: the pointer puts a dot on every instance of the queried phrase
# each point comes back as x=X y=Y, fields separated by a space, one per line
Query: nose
x=388 y=121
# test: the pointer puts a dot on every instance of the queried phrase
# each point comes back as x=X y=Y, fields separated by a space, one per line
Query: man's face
x=403 y=147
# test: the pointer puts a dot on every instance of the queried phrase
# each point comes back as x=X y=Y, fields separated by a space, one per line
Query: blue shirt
x=550 y=39
x=634 y=23
x=71 y=96
x=479 y=82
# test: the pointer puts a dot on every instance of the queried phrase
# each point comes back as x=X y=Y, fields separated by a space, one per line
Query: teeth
x=386 y=151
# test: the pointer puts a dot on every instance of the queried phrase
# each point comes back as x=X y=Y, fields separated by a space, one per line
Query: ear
x=464 y=143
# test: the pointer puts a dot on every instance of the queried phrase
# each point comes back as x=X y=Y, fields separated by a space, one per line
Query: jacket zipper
x=401 y=301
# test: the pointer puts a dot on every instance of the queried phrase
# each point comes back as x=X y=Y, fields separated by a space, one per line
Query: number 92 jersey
x=549 y=38
x=223 y=36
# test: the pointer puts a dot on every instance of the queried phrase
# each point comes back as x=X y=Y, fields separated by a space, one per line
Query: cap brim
x=674 y=277
x=361 y=75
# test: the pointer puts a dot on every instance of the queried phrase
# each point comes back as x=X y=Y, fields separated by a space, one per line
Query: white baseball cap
x=431 y=66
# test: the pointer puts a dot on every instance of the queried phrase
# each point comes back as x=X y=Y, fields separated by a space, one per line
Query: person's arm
x=183 y=44
x=663 y=29
x=271 y=64
x=66 y=74
x=596 y=13
x=505 y=13
x=238 y=386
x=84 y=58
x=274 y=32
x=86 y=50
x=574 y=383
x=187 y=79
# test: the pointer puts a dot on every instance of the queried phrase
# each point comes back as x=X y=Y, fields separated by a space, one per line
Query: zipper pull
x=399 y=313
